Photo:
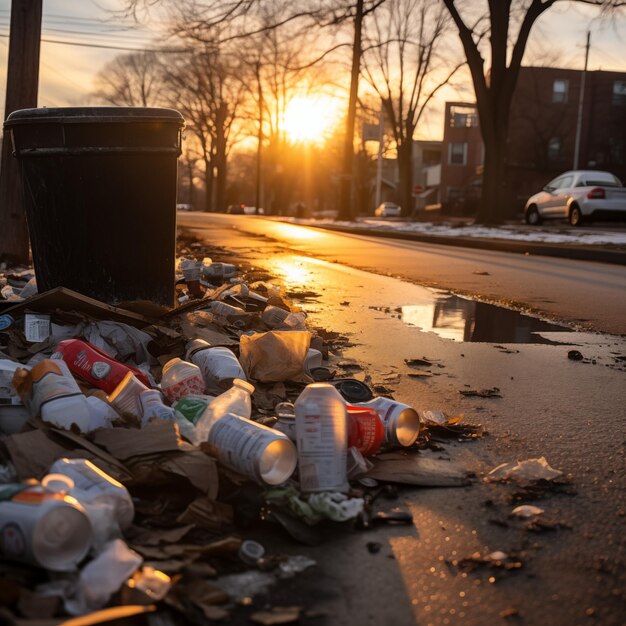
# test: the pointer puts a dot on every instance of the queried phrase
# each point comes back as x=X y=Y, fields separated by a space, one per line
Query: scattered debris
x=494 y=392
x=496 y=560
x=530 y=470
x=575 y=355
x=526 y=511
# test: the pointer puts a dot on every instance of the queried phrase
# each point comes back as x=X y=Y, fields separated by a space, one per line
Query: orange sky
x=67 y=71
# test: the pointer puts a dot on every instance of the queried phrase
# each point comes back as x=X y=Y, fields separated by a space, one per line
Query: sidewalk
x=605 y=244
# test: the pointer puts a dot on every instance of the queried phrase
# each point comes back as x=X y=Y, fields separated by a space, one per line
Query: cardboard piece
x=207 y=513
x=124 y=443
x=416 y=469
x=96 y=455
x=197 y=467
x=68 y=300
x=157 y=536
x=113 y=615
x=32 y=453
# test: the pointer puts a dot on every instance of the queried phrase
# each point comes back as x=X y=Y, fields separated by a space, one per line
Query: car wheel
x=575 y=215
x=532 y=216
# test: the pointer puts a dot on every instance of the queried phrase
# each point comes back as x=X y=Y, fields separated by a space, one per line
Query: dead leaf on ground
x=277 y=615
x=416 y=469
x=420 y=374
x=494 y=392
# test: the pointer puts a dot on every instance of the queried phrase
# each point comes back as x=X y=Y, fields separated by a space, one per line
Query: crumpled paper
x=529 y=470
x=274 y=356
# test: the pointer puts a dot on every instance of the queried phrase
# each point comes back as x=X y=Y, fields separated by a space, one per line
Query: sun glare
x=310 y=118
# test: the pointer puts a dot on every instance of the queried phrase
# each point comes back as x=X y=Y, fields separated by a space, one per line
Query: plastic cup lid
x=251 y=551
x=353 y=390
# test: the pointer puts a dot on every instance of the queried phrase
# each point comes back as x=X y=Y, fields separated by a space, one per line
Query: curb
x=564 y=251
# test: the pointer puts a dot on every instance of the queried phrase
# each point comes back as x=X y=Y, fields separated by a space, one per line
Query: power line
x=95 y=45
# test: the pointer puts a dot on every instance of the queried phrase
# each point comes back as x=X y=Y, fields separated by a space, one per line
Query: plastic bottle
x=236 y=400
x=181 y=378
x=322 y=439
x=218 y=364
x=96 y=367
x=218 y=271
x=49 y=390
x=402 y=423
x=50 y=530
x=92 y=486
x=125 y=397
x=254 y=450
x=152 y=407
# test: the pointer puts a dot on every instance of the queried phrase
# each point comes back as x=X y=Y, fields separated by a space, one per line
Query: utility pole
x=345 y=181
x=581 y=100
x=259 y=169
x=379 y=160
x=22 y=84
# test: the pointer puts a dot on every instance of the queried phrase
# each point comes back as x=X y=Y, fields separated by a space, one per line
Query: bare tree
x=205 y=87
x=403 y=62
x=131 y=80
x=509 y=24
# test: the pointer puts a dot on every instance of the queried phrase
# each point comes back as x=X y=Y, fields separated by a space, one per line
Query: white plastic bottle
x=152 y=407
x=181 y=378
x=49 y=390
x=256 y=451
x=236 y=400
x=402 y=423
x=218 y=364
x=322 y=439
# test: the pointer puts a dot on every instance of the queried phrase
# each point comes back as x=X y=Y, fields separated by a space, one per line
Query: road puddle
x=462 y=319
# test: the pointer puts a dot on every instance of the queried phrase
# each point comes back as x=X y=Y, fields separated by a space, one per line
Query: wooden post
x=21 y=93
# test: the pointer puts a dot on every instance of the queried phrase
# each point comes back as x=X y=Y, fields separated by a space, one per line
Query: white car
x=388 y=209
x=578 y=196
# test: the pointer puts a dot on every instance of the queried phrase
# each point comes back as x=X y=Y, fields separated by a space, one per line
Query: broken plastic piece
x=524 y=471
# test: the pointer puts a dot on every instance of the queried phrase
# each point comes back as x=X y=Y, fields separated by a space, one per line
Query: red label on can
x=366 y=431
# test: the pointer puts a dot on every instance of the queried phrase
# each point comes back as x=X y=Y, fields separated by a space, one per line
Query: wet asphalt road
x=571 y=412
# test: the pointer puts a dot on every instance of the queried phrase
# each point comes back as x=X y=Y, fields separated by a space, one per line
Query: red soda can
x=366 y=431
x=94 y=366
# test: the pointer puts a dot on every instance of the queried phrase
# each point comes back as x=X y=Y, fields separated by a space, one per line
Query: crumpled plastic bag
x=103 y=576
x=119 y=340
x=97 y=582
x=529 y=470
x=274 y=356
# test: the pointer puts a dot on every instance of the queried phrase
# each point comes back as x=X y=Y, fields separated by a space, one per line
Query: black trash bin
x=100 y=198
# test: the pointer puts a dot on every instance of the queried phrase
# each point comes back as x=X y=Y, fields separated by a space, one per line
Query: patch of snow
x=515 y=232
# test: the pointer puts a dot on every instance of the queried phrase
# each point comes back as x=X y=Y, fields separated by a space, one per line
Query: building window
x=619 y=92
x=554 y=148
x=457 y=154
x=462 y=117
x=560 y=88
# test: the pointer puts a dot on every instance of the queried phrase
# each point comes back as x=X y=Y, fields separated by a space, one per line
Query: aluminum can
x=39 y=527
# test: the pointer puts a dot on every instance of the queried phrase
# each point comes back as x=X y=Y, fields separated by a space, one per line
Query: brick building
x=542 y=134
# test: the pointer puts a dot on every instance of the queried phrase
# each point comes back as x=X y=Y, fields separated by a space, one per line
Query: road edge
x=565 y=251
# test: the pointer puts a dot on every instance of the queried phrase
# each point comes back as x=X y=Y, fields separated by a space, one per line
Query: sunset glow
x=310 y=118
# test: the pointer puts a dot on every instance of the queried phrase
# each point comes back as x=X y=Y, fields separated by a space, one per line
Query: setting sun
x=310 y=118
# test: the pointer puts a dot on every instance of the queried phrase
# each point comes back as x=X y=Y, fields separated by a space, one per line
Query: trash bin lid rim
x=94 y=115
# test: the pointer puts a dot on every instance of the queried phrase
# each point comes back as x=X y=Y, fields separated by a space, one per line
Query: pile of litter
x=138 y=443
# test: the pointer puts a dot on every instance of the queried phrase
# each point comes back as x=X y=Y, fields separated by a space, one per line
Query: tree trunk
x=493 y=202
x=208 y=185
x=220 y=182
x=346 y=209
x=405 y=170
